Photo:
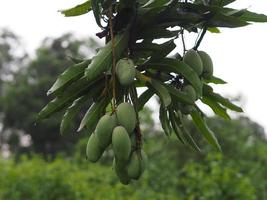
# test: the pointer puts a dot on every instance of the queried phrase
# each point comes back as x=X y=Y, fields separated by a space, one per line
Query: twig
x=204 y=30
x=113 y=58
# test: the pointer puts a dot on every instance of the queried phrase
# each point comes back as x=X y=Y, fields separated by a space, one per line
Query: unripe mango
x=104 y=129
x=121 y=172
x=125 y=71
x=93 y=149
x=207 y=65
x=126 y=116
x=190 y=91
x=137 y=165
x=121 y=143
x=194 y=61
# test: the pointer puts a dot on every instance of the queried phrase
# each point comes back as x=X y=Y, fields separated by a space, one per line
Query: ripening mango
x=125 y=71
x=104 y=129
x=191 y=92
x=137 y=164
x=126 y=116
x=207 y=65
x=186 y=109
x=93 y=149
x=121 y=172
x=194 y=61
x=121 y=143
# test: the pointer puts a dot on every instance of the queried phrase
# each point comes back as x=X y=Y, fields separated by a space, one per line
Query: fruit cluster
x=202 y=64
x=118 y=129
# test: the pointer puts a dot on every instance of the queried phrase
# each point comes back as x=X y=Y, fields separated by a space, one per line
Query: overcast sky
x=239 y=55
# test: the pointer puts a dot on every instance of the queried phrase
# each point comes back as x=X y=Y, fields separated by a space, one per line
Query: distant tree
x=25 y=95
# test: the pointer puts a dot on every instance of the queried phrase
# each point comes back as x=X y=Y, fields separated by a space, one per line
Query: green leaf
x=214 y=30
x=97 y=11
x=179 y=95
x=187 y=136
x=221 y=20
x=157 y=33
x=172 y=65
x=71 y=113
x=253 y=17
x=204 y=129
x=161 y=91
x=77 y=10
x=80 y=88
x=175 y=126
x=103 y=60
x=164 y=120
x=224 y=101
x=215 y=80
x=70 y=75
x=92 y=115
x=144 y=98
x=216 y=107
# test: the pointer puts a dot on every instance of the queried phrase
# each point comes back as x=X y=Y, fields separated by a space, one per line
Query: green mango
x=121 y=143
x=121 y=172
x=125 y=71
x=190 y=91
x=207 y=65
x=104 y=129
x=126 y=116
x=93 y=149
x=192 y=58
x=137 y=164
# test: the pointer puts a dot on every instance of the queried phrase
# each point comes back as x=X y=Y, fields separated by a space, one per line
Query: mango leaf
x=77 y=10
x=97 y=11
x=187 y=136
x=216 y=107
x=215 y=80
x=221 y=20
x=172 y=65
x=253 y=17
x=144 y=98
x=103 y=60
x=70 y=75
x=161 y=91
x=214 y=30
x=204 y=129
x=225 y=102
x=92 y=115
x=178 y=95
x=80 y=88
x=71 y=113
x=157 y=33
x=175 y=126
x=164 y=120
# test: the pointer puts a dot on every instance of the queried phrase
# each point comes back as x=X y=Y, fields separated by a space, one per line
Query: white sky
x=239 y=55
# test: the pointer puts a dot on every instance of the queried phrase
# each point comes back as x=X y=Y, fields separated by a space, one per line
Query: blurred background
x=36 y=162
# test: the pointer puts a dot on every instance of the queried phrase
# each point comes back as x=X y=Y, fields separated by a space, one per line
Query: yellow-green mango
x=192 y=58
x=207 y=65
x=93 y=149
x=121 y=143
x=137 y=164
x=125 y=71
x=126 y=116
x=121 y=172
x=190 y=91
x=104 y=129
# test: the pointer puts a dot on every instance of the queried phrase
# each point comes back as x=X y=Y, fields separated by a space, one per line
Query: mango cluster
x=202 y=64
x=117 y=129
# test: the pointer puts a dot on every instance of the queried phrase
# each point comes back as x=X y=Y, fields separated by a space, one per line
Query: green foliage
x=129 y=29
x=174 y=172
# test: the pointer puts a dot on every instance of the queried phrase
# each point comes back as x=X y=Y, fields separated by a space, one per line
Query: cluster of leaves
x=130 y=29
